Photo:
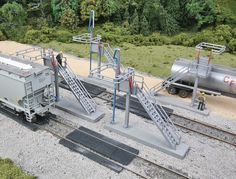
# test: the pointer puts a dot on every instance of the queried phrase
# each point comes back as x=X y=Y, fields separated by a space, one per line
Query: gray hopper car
x=26 y=87
x=220 y=80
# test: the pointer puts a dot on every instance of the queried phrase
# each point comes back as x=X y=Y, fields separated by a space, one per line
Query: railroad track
x=205 y=129
x=139 y=166
x=202 y=128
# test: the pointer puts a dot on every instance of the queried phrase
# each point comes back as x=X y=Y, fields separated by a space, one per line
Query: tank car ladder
x=159 y=116
x=78 y=89
x=29 y=102
x=203 y=67
x=170 y=80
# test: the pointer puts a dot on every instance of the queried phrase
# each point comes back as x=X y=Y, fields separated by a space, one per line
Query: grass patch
x=8 y=170
x=154 y=60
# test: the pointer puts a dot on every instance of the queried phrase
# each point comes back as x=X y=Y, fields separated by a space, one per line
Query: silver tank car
x=25 y=86
x=220 y=79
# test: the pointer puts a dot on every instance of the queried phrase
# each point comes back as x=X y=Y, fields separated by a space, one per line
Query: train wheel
x=183 y=93
x=172 y=90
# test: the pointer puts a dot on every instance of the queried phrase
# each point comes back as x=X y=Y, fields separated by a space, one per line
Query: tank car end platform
x=69 y=104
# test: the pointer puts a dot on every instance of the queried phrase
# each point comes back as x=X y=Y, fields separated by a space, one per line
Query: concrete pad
x=155 y=140
x=165 y=100
x=69 y=103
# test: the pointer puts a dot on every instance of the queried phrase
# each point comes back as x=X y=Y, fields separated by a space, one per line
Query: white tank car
x=221 y=79
x=26 y=87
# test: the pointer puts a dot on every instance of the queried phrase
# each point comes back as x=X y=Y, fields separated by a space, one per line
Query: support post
x=99 y=58
x=91 y=26
x=55 y=68
x=127 y=108
x=194 y=91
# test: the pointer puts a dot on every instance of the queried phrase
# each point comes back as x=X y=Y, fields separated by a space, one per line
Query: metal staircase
x=159 y=116
x=108 y=53
x=170 y=80
x=78 y=89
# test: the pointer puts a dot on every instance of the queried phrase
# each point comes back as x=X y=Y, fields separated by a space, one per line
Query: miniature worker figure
x=59 y=58
x=202 y=100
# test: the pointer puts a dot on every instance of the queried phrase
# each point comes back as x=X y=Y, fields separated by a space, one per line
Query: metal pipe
x=114 y=104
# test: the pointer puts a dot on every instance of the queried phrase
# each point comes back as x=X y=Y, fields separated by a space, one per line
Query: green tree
x=13 y=17
x=68 y=19
x=203 y=11
x=134 y=26
x=144 y=26
x=86 y=7
x=59 y=5
x=105 y=8
x=168 y=24
x=126 y=16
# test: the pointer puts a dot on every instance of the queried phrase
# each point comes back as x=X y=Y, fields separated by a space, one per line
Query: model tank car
x=26 y=87
x=220 y=80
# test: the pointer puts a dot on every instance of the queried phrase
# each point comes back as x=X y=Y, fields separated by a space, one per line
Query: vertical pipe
x=117 y=58
x=114 y=103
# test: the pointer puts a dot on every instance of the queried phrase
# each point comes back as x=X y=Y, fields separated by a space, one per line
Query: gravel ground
x=40 y=154
x=207 y=158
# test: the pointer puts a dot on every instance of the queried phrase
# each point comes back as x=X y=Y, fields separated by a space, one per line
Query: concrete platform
x=155 y=140
x=69 y=104
x=166 y=100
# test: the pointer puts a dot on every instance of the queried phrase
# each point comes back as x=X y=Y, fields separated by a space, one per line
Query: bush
x=223 y=33
x=232 y=46
x=36 y=36
x=108 y=27
x=64 y=36
x=32 y=37
x=180 y=39
x=2 y=37
x=38 y=23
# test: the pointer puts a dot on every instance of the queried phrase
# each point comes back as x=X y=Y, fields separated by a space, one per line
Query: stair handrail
x=174 y=139
x=162 y=111
x=110 y=53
